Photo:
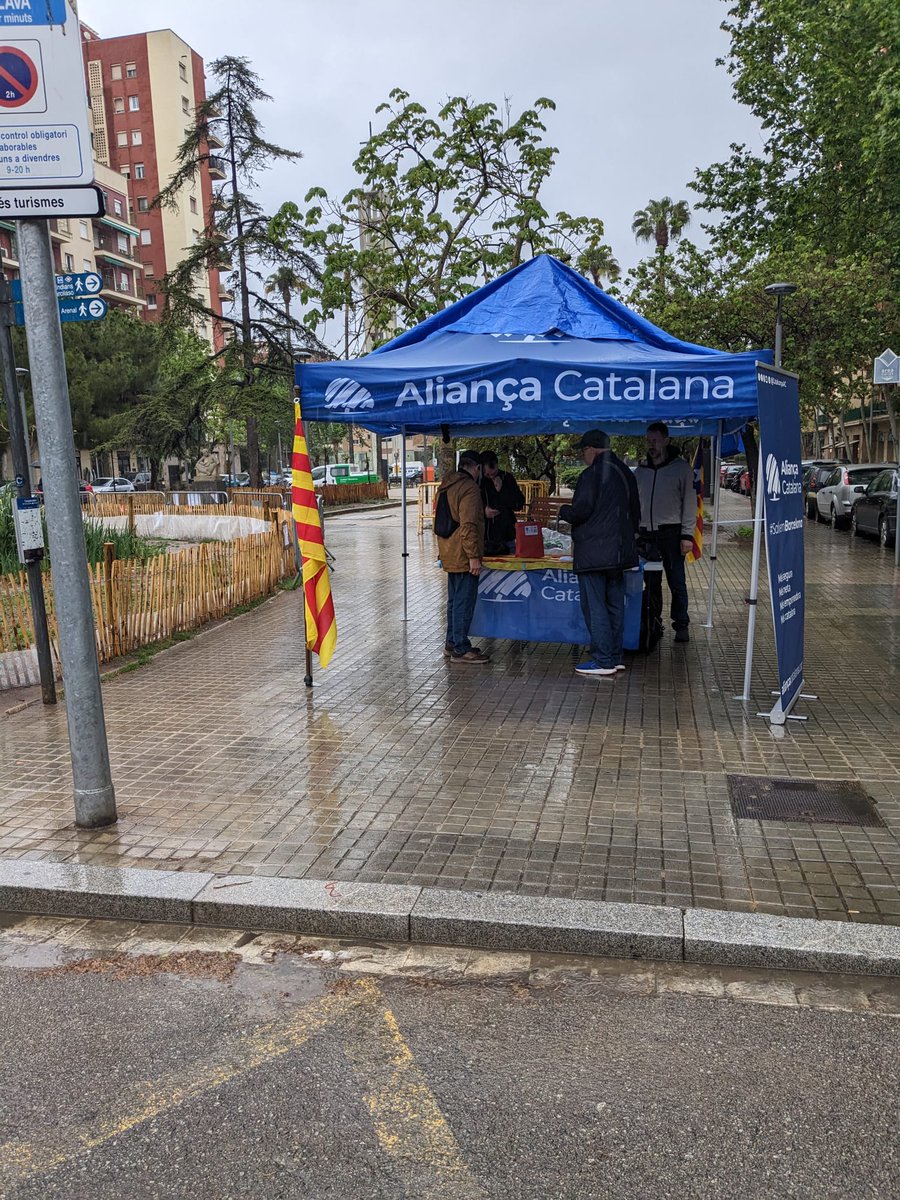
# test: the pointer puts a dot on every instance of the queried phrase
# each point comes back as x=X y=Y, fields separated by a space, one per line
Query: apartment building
x=143 y=91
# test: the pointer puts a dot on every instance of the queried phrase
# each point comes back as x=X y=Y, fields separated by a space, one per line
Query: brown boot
x=472 y=657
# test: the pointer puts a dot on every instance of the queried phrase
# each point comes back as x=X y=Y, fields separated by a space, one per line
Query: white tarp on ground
x=184 y=528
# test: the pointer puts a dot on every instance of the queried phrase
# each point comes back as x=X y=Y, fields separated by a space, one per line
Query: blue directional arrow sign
x=86 y=309
x=81 y=283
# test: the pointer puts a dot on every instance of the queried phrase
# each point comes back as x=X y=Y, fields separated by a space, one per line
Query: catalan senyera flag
x=696 y=550
x=321 y=628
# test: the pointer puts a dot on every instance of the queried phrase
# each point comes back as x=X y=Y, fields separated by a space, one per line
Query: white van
x=332 y=473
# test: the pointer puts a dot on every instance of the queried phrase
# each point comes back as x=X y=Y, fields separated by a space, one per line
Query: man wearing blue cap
x=604 y=514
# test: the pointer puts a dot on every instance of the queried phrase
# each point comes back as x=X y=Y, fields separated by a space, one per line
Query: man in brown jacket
x=461 y=555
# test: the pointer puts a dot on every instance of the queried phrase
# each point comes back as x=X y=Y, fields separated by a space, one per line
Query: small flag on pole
x=321 y=629
x=696 y=550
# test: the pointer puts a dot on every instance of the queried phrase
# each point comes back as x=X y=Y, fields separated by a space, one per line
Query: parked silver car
x=118 y=484
x=836 y=495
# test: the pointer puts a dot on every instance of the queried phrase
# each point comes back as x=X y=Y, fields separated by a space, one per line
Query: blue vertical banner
x=780 y=477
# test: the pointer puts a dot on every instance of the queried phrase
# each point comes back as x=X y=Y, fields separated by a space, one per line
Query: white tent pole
x=403 y=516
x=754 y=579
x=717 y=474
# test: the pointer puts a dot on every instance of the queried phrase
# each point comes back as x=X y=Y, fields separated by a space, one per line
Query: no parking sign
x=45 y=138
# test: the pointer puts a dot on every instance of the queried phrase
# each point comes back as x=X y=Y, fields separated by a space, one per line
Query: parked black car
x=875 y=512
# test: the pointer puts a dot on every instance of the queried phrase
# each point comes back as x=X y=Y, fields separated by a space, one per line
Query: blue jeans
x=602 y=595
x=462 y=592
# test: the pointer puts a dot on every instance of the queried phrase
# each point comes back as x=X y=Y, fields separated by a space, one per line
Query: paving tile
x=520 y=780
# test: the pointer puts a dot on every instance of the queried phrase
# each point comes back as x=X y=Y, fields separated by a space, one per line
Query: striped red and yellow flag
x=696 y=550
x=321 y=628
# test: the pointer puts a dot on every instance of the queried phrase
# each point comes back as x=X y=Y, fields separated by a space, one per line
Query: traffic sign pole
x=95 y=802
x=21 y=456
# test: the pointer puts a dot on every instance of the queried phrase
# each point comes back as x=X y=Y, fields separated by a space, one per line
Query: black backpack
x=444 y=525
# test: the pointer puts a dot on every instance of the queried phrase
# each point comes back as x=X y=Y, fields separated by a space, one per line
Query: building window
x=145 y=237
x=198 y=236
x=139 y=170
x=136 y=137
x=87 y=264
x=148 y=272
x=182 y=71
x=117 y=207
x=133 y=103
x=126 y=171
x=131 y=70
x=122 y=243
x=83 y=230
x=69 y=263
x=122 y=139
x=62 y=224
x=124 y=282
x=143 y=204
x=118 y=104
x=151 y=299
x=115 y=71
x=193 y=204
x=185 y=104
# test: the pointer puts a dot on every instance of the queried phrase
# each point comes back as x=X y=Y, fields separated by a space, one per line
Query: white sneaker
x=621 y=667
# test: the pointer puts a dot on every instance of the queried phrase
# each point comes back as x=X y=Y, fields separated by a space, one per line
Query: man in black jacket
x=502 y=500
x=604 y=514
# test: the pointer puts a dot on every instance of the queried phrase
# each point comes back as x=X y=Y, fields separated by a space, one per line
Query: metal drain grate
x=819 y=801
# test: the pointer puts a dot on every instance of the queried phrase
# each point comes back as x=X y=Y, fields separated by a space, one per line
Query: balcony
x=216 y=167
x=226 y=295
x=214 y=141
x=109 y=248
x=60 y=230
x=119 y=297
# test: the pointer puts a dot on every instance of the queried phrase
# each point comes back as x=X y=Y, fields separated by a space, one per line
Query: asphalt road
x=213 y=1072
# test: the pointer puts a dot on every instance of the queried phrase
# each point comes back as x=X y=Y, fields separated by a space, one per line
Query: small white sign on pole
x=45 y=137
x=887 y=368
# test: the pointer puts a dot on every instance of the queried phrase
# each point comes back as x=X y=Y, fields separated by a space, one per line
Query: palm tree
x=599 y=262
x=285 y=281
x=660 y=221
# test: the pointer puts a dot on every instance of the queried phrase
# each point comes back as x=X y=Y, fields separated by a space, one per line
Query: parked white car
x=104 y=487
x=837 y=494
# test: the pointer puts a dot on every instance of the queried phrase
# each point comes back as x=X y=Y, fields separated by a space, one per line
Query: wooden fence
x=140 y=602
x=353 y=493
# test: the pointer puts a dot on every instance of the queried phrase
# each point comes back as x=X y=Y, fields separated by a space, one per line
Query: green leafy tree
x=234 y=239
x=444 y=203
x=822 y=79
x=843 y=306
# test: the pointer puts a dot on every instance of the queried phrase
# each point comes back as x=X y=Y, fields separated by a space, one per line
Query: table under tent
x=539 y=350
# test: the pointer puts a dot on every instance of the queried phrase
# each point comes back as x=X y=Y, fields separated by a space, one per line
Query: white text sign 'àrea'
x=44 y=133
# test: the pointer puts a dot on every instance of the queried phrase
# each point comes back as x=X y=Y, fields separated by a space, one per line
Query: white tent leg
x=754 y=581
x=717 y=472
x=403 y=518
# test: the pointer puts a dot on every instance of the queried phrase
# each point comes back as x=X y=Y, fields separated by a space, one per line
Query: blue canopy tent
x=539 y=350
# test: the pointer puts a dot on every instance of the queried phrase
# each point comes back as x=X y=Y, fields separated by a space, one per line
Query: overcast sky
x=640 y=101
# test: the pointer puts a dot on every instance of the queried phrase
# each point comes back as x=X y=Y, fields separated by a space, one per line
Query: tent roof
x=540 y=349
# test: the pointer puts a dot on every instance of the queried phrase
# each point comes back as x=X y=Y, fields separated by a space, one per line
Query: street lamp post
x=779 y=291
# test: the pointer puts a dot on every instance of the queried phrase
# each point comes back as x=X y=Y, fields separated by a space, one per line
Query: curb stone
x=476 y=920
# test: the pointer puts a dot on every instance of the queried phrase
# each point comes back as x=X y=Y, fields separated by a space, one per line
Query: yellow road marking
x=409 y=1125
x=19 y=1160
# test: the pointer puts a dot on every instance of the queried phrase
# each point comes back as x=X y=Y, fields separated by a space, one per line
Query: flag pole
x=308 y=676
x=716 y=483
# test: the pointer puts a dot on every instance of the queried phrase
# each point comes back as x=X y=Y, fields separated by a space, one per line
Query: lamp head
x=780 y=289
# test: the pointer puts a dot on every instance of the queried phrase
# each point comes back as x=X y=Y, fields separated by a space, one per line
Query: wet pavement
x=519 y=776
x=166 y=1061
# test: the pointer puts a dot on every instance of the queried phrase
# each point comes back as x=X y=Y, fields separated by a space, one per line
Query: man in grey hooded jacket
x=668 y=512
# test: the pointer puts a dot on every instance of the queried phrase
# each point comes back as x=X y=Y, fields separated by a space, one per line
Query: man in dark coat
x=604 y=514
x=502 y=500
